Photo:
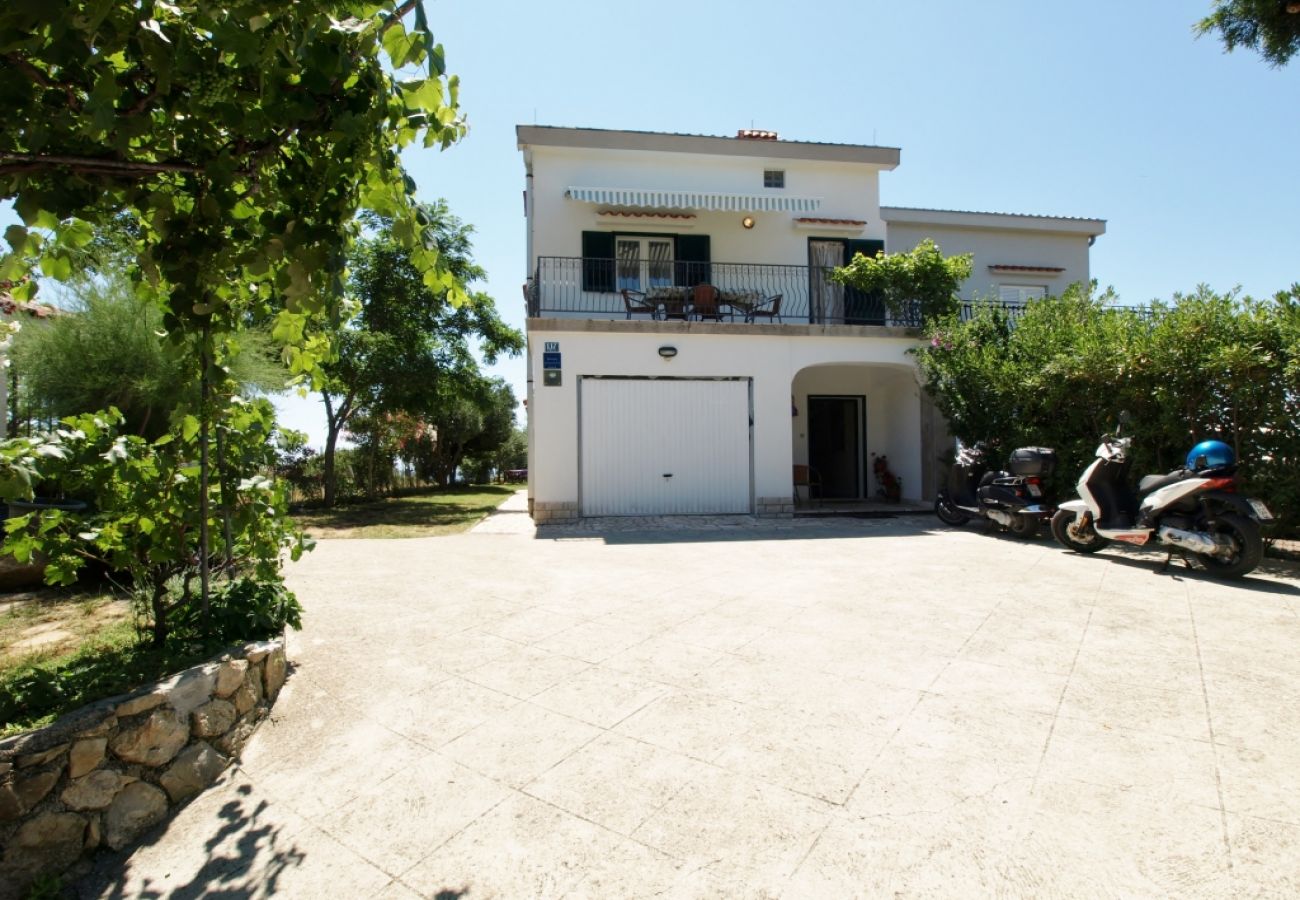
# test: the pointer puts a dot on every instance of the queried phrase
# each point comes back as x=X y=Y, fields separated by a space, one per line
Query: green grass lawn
x=437 y=512
x=61 y=649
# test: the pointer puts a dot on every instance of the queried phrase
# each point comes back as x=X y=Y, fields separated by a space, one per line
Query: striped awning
x=648 y=199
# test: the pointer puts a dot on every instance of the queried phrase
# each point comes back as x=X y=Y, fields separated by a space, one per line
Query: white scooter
x=1192 y=510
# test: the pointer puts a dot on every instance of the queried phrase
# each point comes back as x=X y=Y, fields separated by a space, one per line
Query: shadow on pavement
x=246 y=858
x=1154 y=560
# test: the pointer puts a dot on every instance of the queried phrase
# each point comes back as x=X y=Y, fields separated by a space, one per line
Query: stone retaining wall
x=105 y=774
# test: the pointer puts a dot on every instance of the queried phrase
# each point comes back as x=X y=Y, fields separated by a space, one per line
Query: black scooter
x=1013 y=498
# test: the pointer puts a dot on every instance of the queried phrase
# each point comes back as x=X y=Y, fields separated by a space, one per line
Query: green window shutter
x=693 y=260
x=860 y=308
x=866 y=248
x=597 y=261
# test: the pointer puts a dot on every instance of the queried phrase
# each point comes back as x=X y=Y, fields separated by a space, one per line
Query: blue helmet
x=1210 y=455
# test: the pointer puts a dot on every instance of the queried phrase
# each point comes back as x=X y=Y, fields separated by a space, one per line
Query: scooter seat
x=1151 y=483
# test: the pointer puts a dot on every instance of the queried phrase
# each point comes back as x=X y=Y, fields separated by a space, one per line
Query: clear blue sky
x=1104 y=109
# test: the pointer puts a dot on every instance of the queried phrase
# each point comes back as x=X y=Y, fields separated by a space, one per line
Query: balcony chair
x=704 y=302
x=769 y=309
x=809 y=478
x=636 y=302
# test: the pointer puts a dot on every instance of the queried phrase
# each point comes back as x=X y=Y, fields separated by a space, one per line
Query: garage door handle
x=668 y=474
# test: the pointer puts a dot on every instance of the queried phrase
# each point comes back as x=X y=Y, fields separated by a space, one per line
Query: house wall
x=993 y=246
x=771 y=359
x=847 y=191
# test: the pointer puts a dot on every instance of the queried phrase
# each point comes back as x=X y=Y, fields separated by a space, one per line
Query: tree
x=1269 y=27
x=240 y=140
x=405 y=339
x=919 y=278
x=105 y=352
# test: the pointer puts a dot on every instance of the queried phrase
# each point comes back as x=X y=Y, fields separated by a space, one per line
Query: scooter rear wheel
x=1025 y=526
x=947 y=513
x=1250 y=547
x=1091 y=541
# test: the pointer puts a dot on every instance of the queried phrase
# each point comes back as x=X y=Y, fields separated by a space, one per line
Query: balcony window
x=1021 y=293
x=643 y=262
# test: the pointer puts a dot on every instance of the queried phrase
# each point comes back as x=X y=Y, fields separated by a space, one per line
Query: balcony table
x=743 y=301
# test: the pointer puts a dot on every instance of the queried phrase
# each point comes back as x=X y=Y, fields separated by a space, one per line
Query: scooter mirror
x=1125 y=417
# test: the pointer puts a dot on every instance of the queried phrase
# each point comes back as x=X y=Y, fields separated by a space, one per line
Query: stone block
x=28 y=760
x=85 y=755
x=96 y=790
x=274 y=672
x=230 y=676
x=32 y=789
x=10 y=806
x=101 y=729
x=232 y=742
x=94 y=833
x=250 y=692
x=47 y=844
x=140 y=703
x=137 y=808
x=196 y=768
x=190 y=689
x=213 y=718
x=258 y=651
x=153 y=742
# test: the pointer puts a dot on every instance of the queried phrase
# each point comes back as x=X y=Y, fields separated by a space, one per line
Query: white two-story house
x=687 y=349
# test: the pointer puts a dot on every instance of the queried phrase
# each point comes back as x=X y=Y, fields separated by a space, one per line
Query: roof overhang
x=953 y=218
x=633 y=198
x=603 y=139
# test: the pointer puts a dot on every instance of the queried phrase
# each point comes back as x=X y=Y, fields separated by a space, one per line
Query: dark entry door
x=835 y=444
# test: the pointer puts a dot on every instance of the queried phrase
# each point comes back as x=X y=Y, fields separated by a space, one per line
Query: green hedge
x=1202 y=366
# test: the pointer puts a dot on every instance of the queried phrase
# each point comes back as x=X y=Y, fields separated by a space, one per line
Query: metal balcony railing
x=587 y=288
x=574 y=287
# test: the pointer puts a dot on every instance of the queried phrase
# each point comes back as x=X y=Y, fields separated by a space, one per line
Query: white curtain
x=629 y=267
x=661 y=263
x=827 y=296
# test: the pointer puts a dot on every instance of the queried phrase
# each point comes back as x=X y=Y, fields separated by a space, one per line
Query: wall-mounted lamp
x=667 y=352
x=748 y=221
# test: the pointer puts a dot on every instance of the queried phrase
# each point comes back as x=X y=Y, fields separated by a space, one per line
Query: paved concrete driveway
x=877 y=708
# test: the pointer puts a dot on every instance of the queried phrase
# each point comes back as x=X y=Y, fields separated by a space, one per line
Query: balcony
x=586 y=288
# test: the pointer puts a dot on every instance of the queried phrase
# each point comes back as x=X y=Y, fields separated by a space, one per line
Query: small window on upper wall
x=1019 y=293
x=774 y=178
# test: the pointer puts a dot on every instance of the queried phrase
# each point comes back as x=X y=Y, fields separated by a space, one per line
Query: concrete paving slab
x=738 y=708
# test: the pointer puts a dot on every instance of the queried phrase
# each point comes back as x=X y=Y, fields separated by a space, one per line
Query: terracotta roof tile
x=644 y=215
x=817 y=221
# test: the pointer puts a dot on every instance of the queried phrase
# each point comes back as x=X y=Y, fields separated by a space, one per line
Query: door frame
x=860 y=433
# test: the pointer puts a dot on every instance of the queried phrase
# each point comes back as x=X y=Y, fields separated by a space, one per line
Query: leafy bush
x=242 y=609
x=142 y=519
x=922 y=276
x=1204 y=366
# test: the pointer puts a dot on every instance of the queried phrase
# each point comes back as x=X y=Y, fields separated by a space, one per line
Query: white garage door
x=653 y=447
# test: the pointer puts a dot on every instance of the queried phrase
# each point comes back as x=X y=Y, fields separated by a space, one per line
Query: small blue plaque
x=550 y=360
x=552 y=347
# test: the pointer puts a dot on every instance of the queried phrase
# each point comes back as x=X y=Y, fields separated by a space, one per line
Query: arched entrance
x=845 y=416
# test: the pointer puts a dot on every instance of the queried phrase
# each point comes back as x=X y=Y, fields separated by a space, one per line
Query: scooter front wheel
x=947 y=513
x=1080 y=539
